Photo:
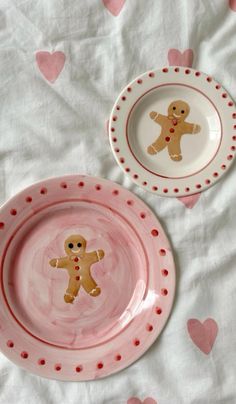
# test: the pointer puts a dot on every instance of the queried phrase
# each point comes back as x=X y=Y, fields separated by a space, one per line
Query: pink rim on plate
x=76 y=311
x=173 y=131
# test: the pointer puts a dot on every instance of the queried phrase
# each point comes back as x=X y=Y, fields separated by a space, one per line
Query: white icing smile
x=76 y=251
x=176 y=116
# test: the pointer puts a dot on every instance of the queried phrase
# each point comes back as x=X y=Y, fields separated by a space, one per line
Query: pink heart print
x=114 y=6
x=232 y=4
x=203 y=334
x=190 y=200
x=176 y=58
x=50 y=64
x=135 y=400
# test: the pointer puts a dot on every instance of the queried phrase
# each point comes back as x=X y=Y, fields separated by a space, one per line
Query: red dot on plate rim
x=224 y=95
x=127 y=169
x=177 y=70
x=118 y=357
x=114 y=118
x=122 y=160
x=229 y=157
x=114 y=139
x=136 y=342
x=151 y=74
x=43 y=191
x=215 y=174
x=149 y=327
x=187 y=71
x=164 y=272
x=187 y=189
x=165 y=190
x=79 y=368
x=112 y=129
x=233 y=148
x=165 y=70
x=198 y=186
x=117 y=150
x=234 y=115
x=209 y=79
x=154 y=232
x=123 y=98
x=197 y=74
x=144 y=183
x=218 y=86
x=10 y=343
x=139 y=81
x=162 y=252
x=81 y=184
x=98 y=187
x=58 y=367
x=223 y=166
x=63 y=185
x=135 y=176
x=100 y=365
x=154 y=188
x=24 y=354
x=28 y=199
x=207 y=181
x=115 y=192
x=164 y=292
x=129 y=89
x=158 y=310
x=142 y=215
x=13 y=212
x=2 y=225
x=176 y=190
x=41 y=362
x=129 y=202
x=230 y=103
x=118 y=107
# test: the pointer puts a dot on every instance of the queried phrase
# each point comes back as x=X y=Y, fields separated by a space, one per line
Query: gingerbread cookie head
x=178 y=110
x=75 y=245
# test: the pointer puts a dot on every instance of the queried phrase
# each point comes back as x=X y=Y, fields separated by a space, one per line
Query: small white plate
x=173 y=131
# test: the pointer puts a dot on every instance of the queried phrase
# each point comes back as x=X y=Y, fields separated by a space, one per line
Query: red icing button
x=167 y=139
x=77 y=267
x=172 y=130
x=77 y=278
x=76 y=259
x=174 y=121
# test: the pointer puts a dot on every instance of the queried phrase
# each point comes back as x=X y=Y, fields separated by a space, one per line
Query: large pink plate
x=99 y=333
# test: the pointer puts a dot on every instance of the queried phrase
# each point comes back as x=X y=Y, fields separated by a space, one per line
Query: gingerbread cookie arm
x=158 y=118
x=95 y=256
x=190 y=128
x=59 y=262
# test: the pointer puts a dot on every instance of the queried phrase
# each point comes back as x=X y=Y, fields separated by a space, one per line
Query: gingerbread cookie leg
x=72 y=290
x=157 y=146
x=175 y=150
x=90 y=286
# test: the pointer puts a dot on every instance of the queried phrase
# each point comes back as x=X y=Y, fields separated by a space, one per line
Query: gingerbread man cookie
x=77 y=262
x=173 y=127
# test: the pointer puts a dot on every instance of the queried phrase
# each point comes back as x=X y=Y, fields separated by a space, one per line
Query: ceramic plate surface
x=173 y=131
x=87 y=278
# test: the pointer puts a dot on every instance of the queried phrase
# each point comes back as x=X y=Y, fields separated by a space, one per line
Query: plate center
x=35 y=290
x=174 y=131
